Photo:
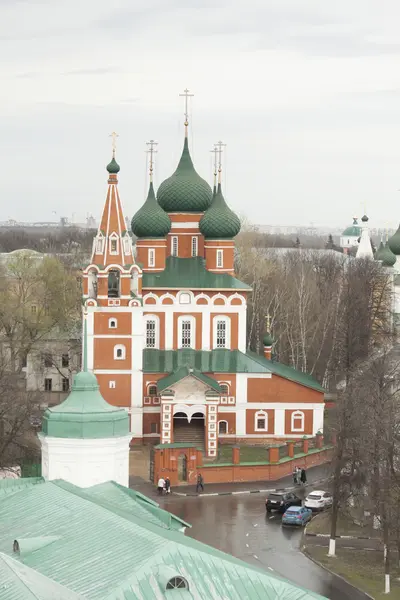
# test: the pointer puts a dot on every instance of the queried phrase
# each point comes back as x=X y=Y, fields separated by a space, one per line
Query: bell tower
x=112 y=298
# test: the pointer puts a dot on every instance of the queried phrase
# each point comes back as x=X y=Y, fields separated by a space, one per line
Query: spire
x=219 y=145
x=364 y=249
x=215 y=152
x=186 y=95
x=112 y=244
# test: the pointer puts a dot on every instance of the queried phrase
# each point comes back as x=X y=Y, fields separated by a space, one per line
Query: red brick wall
x=278 y=389
x=250 y=417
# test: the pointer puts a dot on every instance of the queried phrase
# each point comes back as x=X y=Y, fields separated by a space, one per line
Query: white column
x=240 y=421
x=137 y=344
x=318 y=419
x=90 y=339
x=206 y=329
x=279 y=421
x=169 y=330
x=242 y=329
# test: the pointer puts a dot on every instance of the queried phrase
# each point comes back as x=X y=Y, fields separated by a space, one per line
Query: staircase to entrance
x=189 y=433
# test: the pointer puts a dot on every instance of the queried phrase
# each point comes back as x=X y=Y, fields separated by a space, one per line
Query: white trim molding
x=227 y=331
x=119 y=352
x=297 y=415
x=187 y=319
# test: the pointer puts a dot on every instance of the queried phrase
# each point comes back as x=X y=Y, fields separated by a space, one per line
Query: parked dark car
x=281 y=501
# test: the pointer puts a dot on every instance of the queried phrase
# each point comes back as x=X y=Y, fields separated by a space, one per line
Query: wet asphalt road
x=239 y=525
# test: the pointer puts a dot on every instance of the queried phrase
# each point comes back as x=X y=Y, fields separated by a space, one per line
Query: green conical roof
x=85 y=414
x=388 y=258
x=113 y=167
x=219 y=221
x=268 y=340
x=394 y=242
x=185 y=190
x=380 y=251
x=150 y=220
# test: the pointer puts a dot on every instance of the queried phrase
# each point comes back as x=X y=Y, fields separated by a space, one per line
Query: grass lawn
x=247 y=454
x=361 y=568
x=322 y=524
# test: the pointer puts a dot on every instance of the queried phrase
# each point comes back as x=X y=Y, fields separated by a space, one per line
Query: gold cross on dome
x=186 y=95
x=114 y=136
x=215 y=152
x=218 y=146
x=151 y=151
x=268 y=322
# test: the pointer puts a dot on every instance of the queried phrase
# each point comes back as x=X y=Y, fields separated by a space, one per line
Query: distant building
x=350 y=236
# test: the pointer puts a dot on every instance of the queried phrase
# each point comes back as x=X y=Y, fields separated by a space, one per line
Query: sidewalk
x=315 y=475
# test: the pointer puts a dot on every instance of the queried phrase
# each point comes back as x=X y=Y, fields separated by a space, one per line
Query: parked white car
x=318 y=500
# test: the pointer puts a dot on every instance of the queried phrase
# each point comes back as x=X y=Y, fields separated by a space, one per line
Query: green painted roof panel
x=190 y=273
x=102 y=555
x=182 y=373
x=288 y=372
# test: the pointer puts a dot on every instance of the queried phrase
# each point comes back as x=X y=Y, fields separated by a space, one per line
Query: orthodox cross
x=114 y=136
x=151 y=151
x=215 y=152
x=186 y=95
x=218 y=148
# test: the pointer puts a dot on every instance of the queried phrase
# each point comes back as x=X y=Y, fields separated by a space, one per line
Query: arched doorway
x=189 y=430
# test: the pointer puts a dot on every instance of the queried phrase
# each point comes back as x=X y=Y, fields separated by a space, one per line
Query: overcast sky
x=305 y=93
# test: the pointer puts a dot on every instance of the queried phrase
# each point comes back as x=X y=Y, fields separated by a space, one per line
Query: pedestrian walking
x=200 y=483
x=295 y=475
x=303 y=477
x=167 y=485
x=160 y=485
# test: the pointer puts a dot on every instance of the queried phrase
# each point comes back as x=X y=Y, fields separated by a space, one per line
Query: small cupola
x=151 y=221
x=219 y=221
x=387 y=257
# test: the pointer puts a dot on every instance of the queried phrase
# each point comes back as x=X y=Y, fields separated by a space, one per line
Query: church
x=167 y=324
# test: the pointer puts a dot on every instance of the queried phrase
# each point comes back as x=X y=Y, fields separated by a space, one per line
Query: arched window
x=92 y=284
x=184 y=298
x=152 y=390
x=186 y=332
x=112 y=323
x=119 y=352
x=113 y=284
x=99 y=244
x=174 y=245
x=194 y=245
x=297 y=421
x=152 y=331
x=152 y=257
x=127 y=244
x=223 y=427
x=134 y=282
x=221 y=332
x=113 y=243
x=177 y=583
x=261 y=421
x=224 y=389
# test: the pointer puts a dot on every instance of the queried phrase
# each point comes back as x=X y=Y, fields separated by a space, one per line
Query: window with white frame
x=152 y=257
x=127 y=245
x=186 y=332
x=194 y=245
x=222 y=427
x=224 y=387
x=99 y=245
x=113 y=244
x=297 y=421
x=111 y=385
x=174 y=245
x=119 y=352
x=261 y=421
x=134 y=282
x=221 y=332
x=152 y=390
x=112 y=323
x=184 y=298
x=152 y=331
x=220 y=259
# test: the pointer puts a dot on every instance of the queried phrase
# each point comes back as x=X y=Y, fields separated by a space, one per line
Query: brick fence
x=182 y=462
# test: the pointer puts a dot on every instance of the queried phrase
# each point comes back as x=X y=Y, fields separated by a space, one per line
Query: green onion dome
x=85 y=414
x=364 y=219
x=268 y=340
x=353 y=231
x=150 y=220
x=113 y=167
x=380 y=251
x=388 y=258
x=394 y=242
x=185 y=190
x=219 y=221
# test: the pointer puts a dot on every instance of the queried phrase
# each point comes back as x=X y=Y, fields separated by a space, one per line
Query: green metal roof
x=352 y=231
x=103 y=552
x=182 y=373
x=394 y=242
x=219 y=221
x=185 y=190
x=18 y=582
x=85 y=413
x=150 y=220
x=191 y=273
x=221 y=361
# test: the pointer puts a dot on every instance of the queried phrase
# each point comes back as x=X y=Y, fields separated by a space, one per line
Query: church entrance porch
x=190 y=432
